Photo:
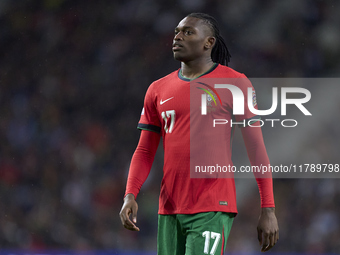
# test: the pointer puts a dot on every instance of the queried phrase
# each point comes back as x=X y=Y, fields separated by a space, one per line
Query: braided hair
x=220 y=53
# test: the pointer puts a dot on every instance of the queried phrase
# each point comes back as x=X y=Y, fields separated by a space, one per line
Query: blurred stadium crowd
x=72 y=80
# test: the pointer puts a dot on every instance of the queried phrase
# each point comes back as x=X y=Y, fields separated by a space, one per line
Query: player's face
x=191 y=39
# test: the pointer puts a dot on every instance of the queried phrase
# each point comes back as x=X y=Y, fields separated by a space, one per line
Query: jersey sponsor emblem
x=210 y=95
x=223 y=203
x=162 y=102
x=254 y=98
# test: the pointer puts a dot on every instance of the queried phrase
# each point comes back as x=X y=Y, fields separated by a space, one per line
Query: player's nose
x=178 y=37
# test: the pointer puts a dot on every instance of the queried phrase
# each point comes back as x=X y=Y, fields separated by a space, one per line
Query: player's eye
x=188 y=32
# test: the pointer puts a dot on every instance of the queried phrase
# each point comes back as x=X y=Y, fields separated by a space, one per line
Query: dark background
x=73 y=75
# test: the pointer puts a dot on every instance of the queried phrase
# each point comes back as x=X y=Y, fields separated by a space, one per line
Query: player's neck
x=194 y=69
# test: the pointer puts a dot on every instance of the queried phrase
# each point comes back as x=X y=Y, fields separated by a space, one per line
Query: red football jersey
x=167 y=111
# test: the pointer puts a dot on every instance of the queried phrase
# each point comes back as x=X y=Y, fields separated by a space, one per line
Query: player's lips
x=176 y=46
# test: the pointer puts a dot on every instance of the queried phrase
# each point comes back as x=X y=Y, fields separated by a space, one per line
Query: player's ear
x=210 y=42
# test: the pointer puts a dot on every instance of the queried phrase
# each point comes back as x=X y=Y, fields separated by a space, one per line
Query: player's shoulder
x=224 y=71
x=164 y=80
x=237 y=78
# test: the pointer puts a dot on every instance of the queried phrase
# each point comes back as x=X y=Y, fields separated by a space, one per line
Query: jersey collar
x=187 y=79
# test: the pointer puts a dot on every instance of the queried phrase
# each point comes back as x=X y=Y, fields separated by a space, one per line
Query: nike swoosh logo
x=162 y=102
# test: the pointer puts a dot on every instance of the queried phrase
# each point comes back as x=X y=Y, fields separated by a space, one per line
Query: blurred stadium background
x=72 y=80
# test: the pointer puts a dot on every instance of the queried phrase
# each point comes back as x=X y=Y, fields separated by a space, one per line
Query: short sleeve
x=149 y=119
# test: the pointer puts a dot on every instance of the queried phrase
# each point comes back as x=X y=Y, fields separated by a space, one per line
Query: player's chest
x=191 y=101
x=175 y=99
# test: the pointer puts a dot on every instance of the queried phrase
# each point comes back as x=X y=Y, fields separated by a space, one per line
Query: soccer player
x=195 y=214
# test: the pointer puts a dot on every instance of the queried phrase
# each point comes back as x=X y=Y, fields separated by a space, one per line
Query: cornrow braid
x=220 y=53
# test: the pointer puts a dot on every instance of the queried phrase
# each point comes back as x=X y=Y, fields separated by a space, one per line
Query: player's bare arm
x=267 y=229
x=130 y=207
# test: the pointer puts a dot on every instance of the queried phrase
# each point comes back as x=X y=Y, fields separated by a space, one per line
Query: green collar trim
x=187 y=79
